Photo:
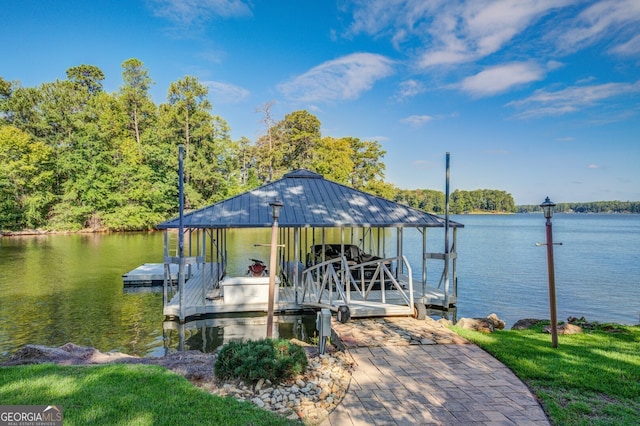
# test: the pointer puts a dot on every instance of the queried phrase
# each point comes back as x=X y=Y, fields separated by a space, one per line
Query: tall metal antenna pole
x=446 y=213
x=181 y=231
x=446 y=235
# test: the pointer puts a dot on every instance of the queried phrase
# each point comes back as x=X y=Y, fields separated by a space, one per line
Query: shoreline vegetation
x=74 y=157
x=591 y=378
x=42 y=232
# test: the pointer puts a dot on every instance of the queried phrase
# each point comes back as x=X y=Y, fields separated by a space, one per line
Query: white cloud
x=225 y=92
x=571 y=99
x=501 y=78
x=599 y=20
x=554 y=65
x=450 y=31
x=409 y=89
x=188 y=12
x=631 y=47
x=593 y=166
x=417 y=120
x=345 y=78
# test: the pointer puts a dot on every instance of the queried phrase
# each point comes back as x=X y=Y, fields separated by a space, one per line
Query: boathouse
x=334 y=251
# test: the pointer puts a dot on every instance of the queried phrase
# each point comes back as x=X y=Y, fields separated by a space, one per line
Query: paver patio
x=428 y=376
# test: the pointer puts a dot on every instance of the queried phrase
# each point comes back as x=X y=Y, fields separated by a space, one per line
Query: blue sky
x=534 y=97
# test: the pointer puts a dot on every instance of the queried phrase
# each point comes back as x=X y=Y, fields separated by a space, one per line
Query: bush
x=269 y=359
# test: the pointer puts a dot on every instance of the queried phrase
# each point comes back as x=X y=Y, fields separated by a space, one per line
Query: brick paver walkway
x=418 y=380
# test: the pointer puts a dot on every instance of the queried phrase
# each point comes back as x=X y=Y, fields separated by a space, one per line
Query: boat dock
x=205 y=295
x=329 y=251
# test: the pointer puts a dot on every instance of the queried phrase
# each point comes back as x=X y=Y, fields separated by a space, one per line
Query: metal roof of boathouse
x=309 y=200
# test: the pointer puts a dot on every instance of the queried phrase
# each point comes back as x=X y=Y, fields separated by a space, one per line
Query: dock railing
x=332 y=281
x=322 y=281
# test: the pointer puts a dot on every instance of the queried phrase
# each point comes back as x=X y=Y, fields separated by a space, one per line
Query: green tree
x=368 y=169
x=135 y=98
x=333 y=159
x=87 y=77
x=289 y=144
x=25 y=180
x=190 y=109
x=186 y=119
x=300 y=133
x=215 y=171
x=5 y=94
x=20 y=107
x=85 y=164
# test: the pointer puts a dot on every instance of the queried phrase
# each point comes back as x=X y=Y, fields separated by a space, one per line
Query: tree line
x=460 y=202
x=73 y=156
x=588 y=207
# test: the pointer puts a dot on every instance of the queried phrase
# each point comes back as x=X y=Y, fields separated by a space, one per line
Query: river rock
x=258 y=402
x=259 y=385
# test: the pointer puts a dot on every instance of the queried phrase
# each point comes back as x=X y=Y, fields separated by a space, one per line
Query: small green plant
x=269 y=359
x=315 y=339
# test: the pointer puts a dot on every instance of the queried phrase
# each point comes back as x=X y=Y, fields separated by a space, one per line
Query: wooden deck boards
x=197 y=303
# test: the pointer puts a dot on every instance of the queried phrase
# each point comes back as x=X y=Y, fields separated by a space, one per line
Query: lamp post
x=547 y=208
x=276 y=205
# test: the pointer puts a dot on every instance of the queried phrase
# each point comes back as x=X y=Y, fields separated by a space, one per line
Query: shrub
x=269 y=359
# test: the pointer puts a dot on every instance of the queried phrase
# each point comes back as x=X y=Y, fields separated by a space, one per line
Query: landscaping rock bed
x=309 y=397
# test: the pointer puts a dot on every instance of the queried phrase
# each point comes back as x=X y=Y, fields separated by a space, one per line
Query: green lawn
x=590 y=379
x=125 y=395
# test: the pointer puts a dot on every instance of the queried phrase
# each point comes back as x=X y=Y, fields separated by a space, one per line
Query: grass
x=590 y=379
x=121 y=394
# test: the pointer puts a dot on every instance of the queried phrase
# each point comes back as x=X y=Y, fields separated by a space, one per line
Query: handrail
x=323 y=279
x=320 y=278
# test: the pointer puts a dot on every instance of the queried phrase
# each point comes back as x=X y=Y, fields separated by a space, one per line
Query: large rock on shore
x=193 y=365
x=565 y=329
x=526 y=323
x=485 y=325
x=68 y=354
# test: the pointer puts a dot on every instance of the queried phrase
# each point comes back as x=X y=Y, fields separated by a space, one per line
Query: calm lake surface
x=68 y=288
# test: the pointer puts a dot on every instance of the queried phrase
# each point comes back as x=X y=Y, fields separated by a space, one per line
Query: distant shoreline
x=40 y=232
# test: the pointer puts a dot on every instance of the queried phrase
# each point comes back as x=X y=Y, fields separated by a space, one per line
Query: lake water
x=597 y=267
x=68 y=288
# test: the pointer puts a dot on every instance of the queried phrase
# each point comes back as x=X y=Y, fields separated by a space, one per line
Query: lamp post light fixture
x=547 y=208
x=276 y=206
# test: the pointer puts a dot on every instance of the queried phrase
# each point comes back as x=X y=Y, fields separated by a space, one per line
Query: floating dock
x=149 y=274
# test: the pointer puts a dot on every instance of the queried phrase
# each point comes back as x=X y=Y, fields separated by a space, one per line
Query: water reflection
x=56 y=289
x=208 y=334
x=142 y=289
